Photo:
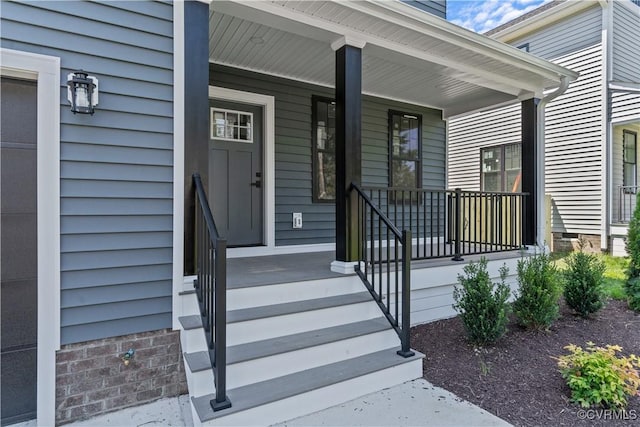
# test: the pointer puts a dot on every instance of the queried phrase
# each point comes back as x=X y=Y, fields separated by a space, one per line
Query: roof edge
x=541 y=17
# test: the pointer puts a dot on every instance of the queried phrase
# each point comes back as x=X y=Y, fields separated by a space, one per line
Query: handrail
x=453 y=223
x=397 y=267
x=211 y=289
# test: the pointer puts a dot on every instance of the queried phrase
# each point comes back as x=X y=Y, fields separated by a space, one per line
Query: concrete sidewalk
x=415 y=403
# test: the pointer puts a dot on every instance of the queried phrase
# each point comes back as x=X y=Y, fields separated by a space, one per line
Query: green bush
x=584 y=279
x=598 y=377
x=632 y=289
x=482 y=305
x=633 y=243
x=540 y=288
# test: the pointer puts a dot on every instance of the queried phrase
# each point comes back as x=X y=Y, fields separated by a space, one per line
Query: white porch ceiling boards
x=409 y=55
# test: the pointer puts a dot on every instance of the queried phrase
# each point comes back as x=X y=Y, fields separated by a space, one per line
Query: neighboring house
x=280 y=107
x=591 y=148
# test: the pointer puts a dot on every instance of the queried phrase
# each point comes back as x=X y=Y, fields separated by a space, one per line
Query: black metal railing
x=384 y=265
x=453 y=223
x=211 y=289
x=626 y=202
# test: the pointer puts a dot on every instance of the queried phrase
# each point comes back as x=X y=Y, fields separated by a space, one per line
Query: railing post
x=457 y=225
x=220 y=325
x=405 y=340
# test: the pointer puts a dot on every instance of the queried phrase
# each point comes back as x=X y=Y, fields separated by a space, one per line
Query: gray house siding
x=293 y=167
x=436 y=7
x=573 y=127
x=116 y=166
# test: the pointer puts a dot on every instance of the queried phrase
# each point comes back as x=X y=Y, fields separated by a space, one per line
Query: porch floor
x=299 y=267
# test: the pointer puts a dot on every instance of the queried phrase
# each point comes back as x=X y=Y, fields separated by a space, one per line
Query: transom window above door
x=231 y=125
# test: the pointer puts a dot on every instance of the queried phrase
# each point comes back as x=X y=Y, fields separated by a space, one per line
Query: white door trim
x=46 y=71
x=267 y=102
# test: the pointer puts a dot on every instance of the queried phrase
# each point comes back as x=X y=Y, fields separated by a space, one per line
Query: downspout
x=540 y=143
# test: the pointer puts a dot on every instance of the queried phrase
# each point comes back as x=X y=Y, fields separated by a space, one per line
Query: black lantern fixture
x=82 y=92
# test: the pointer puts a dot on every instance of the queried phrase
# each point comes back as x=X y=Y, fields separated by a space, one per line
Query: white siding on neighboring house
x=626 y=42
x=617 y=172
x=573 y=127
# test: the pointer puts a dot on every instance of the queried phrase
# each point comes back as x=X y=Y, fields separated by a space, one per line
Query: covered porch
x=388 y=234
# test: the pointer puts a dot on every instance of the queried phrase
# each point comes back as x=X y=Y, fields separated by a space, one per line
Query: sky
x=483 y=15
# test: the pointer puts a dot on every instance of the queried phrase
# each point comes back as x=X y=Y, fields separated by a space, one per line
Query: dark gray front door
x=18 y=249
x=235 y=172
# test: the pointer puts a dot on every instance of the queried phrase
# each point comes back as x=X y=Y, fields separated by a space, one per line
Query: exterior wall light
x=82 y=92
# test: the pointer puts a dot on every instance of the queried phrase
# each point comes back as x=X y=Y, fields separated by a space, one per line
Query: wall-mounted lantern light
x=82 y=92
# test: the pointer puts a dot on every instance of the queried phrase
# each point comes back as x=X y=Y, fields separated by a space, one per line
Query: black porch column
x=196 y=113
x=348 y=146
x=530 y=168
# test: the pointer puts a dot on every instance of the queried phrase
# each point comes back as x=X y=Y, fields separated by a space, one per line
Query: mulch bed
x=517 y=379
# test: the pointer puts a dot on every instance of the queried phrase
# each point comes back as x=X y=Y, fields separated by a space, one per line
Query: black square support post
x=530 y=164
x=348 y=147
x=196 y=113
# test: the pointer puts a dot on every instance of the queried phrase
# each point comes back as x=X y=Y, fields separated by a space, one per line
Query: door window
x=231 y=125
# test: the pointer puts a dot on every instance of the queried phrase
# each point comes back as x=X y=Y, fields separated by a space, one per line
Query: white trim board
x=269 y=105
x=46 y=71
x=178 y=160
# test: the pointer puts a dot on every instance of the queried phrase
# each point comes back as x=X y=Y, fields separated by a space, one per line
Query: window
x=405 y=150
x=231 y=125
x=629 y=160
x=501 y=168
x=324 y=149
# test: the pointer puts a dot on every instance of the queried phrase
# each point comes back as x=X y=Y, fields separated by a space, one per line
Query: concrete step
x=290 y=396
x=258 y=361
x=271 y=321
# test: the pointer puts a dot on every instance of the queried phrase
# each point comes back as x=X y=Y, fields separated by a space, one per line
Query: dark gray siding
x=116 y=166
x=436 y=7
x=293 y=149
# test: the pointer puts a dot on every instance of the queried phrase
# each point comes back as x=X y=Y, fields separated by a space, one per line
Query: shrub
x=482 y=305
x=540 y=288
x=632 y=243
x=598 y=377
x=632 y=290
x=584 y=278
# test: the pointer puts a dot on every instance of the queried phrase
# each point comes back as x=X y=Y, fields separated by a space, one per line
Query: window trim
x=314 y=147
x=390 y=115
x=503 y=171
x=635 y=162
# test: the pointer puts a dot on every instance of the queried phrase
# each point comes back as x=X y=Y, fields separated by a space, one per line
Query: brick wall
x=566 y=244
x=91 y=377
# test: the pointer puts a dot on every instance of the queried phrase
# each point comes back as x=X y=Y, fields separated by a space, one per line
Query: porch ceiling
x=409 y=55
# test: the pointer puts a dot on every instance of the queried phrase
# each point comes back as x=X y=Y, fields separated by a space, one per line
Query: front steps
x=294 y=349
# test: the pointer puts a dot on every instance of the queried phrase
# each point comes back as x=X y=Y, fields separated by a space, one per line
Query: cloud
x=483 y=15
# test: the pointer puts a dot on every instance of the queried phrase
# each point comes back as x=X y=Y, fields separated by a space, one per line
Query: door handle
x=256 y=184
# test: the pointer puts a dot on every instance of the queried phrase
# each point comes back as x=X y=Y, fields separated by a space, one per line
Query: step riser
x=322 y=398
x=252 y=371
x=271 y=327
x=189 y=304
x=289 y=292
x=201 y=382
x=193 y=340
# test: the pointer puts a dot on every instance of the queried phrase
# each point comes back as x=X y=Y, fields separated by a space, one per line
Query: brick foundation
x=91 y=377
x=568 y=244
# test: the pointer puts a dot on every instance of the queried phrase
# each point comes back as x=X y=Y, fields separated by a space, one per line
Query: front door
x=18 y=249
x=235 y=172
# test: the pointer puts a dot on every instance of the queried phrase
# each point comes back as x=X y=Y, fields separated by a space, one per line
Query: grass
x=614 y=276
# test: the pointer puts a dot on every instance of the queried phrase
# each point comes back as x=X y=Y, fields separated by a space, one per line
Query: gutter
x=540 y=143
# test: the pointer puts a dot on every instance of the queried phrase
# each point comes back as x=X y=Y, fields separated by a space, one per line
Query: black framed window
x=629 y=160
x=324 y=149
x=501 y=168
x=405 y=150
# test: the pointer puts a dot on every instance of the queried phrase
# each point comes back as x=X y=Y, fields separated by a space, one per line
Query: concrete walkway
x=415 y=403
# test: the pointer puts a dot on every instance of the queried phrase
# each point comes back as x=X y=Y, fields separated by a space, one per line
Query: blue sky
x=484 y=15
